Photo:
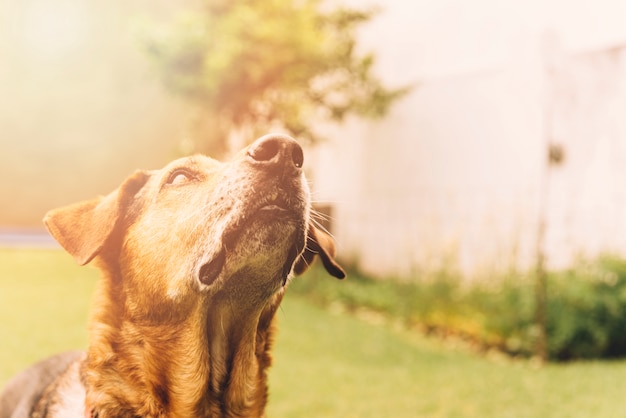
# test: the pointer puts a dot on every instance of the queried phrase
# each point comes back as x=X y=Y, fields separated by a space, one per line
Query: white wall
x=455 y=172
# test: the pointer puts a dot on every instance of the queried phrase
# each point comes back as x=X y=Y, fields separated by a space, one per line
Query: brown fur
x=194 y=259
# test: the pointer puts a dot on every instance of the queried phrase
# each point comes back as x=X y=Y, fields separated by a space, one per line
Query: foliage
x=586 y=308
x=256 y=64
x=587 y=311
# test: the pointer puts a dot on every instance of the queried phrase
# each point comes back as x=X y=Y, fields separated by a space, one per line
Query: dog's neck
x=238 y=357
x=178 y=371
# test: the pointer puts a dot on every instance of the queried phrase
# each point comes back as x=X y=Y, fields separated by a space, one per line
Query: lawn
x=326 y=364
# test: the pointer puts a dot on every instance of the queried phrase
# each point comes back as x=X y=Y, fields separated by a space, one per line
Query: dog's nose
x=277 y=151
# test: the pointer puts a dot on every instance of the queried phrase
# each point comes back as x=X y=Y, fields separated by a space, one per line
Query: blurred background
x=455 y=170
x=472 y=154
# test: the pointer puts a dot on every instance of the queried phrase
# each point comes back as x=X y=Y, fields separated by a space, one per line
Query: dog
x=195 y=259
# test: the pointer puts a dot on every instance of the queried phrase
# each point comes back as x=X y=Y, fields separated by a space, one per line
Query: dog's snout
x=280 y=151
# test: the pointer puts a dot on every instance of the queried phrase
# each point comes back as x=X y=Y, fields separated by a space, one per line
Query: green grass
x=338 y=366
x=325 y=364
x=44 y=300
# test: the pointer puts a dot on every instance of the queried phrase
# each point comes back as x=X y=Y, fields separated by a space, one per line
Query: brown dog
x=195 y=259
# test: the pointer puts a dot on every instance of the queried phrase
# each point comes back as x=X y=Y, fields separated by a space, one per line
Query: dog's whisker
x=321 y=227
x=321 y=216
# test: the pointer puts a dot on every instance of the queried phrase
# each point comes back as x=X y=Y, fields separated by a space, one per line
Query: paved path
x=26 y=238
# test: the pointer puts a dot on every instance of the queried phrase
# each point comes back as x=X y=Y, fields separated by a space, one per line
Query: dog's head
x=201 y=227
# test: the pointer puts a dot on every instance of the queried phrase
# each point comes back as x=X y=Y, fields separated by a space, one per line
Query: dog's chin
x=268 y=243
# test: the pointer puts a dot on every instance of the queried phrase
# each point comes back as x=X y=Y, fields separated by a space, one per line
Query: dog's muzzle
x=275 y=196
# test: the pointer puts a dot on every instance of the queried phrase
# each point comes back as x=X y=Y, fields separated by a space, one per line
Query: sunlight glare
x=53 y=28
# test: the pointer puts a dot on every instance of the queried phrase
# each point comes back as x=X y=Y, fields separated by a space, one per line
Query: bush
x=586 y=307
x=587 y=311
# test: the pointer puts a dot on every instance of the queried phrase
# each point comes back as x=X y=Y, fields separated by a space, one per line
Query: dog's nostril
x=265 y=150
x=277 y=149
x=297 y=156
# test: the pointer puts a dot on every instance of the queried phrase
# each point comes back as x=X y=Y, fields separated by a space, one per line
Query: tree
x=254 y=65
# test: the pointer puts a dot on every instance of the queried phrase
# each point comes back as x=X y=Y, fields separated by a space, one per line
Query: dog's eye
x=179 y=176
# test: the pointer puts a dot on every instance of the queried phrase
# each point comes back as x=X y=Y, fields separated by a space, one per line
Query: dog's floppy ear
x=83 y=228
x=319 y=243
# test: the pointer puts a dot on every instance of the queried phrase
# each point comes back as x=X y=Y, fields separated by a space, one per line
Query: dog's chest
x=69 y=398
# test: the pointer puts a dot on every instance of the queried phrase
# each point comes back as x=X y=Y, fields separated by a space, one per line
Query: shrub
x=586 y=309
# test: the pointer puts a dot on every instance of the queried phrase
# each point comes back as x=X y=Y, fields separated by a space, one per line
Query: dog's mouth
x=260 y=213
x=211 y=270
x=273 y=210
x=274 y=204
